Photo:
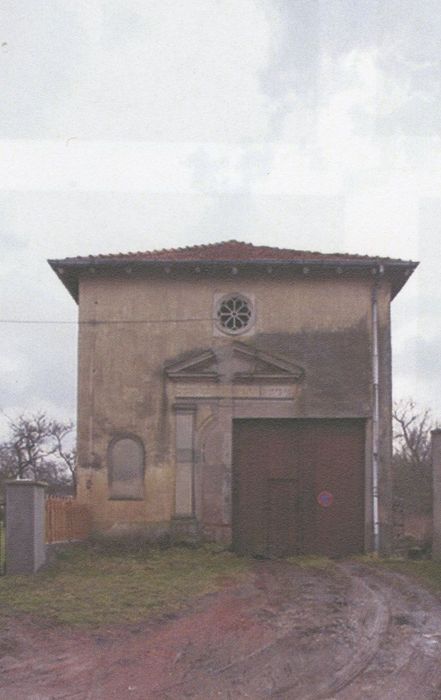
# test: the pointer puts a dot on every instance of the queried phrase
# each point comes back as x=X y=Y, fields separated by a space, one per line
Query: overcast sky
x=142 y=124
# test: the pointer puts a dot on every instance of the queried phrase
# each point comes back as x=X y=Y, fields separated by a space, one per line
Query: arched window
x=126 y=468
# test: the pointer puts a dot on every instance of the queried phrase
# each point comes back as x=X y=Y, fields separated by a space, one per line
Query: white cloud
x=129 y=125
x=153 y=71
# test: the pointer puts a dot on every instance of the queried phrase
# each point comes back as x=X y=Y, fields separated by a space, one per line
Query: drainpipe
x=375 y=417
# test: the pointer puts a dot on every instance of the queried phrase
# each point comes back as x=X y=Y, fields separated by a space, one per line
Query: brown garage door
x=298 y=487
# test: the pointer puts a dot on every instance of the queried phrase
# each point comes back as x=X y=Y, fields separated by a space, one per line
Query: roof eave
x=68 y=270
x=69 y=279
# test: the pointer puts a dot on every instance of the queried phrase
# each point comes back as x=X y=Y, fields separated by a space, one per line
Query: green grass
x=90 y=586
x=2 y=547
x=312 y=561
x=426 y=571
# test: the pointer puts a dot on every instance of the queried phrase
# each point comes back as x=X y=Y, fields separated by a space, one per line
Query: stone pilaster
x=184 y=522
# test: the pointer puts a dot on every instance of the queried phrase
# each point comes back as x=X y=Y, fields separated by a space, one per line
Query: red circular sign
x=325 y=499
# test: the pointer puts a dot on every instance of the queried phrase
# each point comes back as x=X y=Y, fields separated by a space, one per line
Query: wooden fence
x=66 y=520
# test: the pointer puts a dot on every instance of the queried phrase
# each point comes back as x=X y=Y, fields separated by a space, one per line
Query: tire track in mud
x=375 y=618
x=399 y=656
x=407 y=664
x=320 y=640
x=395 y=649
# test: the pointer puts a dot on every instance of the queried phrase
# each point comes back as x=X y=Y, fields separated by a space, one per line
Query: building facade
x=237 y=393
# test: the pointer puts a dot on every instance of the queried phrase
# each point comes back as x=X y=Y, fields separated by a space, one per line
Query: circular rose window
x=234 y=314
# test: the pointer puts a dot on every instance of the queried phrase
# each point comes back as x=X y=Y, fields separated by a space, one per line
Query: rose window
x=234 y=314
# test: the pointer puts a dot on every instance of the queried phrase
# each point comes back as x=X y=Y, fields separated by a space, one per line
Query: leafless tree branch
x=37 y=449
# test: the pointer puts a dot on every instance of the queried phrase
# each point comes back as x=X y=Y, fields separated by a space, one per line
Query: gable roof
x=219 y=255
x=231 y=251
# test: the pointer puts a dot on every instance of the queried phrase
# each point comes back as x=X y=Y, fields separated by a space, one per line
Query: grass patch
x=2 y=547
x=312 y=561
x=90 y=586
x=426 y=571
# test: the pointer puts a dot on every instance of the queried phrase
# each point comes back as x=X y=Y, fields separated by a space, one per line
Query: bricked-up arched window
x=126 y=468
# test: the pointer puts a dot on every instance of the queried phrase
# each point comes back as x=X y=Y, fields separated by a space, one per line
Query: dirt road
x=347 y=633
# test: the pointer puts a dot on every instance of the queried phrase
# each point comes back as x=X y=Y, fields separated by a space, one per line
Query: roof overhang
x=69 y=271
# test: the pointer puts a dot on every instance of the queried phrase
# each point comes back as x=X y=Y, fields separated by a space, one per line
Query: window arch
x=126 y=460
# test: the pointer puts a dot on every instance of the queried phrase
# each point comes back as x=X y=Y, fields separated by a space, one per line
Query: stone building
x=238 y=393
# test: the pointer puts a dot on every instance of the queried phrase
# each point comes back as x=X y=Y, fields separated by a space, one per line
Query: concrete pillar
x=436 y=471
x=25 y=527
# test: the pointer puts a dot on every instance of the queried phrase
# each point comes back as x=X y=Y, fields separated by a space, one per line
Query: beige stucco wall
x=130 y=326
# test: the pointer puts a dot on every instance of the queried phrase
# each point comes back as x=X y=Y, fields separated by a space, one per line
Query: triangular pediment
x=237 y=363
x=260 y=366
x=202 y=366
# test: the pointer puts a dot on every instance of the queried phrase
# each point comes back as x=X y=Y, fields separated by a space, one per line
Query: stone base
x=179 y=530
x=134 y=534
x=221 y=534
x=185 y=530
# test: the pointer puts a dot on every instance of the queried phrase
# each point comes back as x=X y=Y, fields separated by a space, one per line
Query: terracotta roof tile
x=225 y=251
x=229 y=253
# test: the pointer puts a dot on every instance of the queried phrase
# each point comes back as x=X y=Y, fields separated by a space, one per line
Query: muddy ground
x=347 y=633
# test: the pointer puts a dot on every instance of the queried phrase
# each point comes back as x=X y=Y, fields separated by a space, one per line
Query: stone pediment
x=250 y=365
x=236 y=363
x=201 y=366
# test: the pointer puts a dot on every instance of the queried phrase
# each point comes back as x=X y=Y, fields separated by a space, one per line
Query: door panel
x=267 y=457
x=282 y=518
x=338 y=468
x=280 y=468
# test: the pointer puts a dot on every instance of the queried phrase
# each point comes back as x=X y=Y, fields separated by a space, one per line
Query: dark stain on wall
x=338 y=372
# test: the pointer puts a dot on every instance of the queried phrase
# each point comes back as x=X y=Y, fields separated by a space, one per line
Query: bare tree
x=68 y=457
x=412 y=432
x=36 y=449
x=412 y=465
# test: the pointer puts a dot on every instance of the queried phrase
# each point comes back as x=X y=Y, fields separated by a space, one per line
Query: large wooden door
x=298 y=487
